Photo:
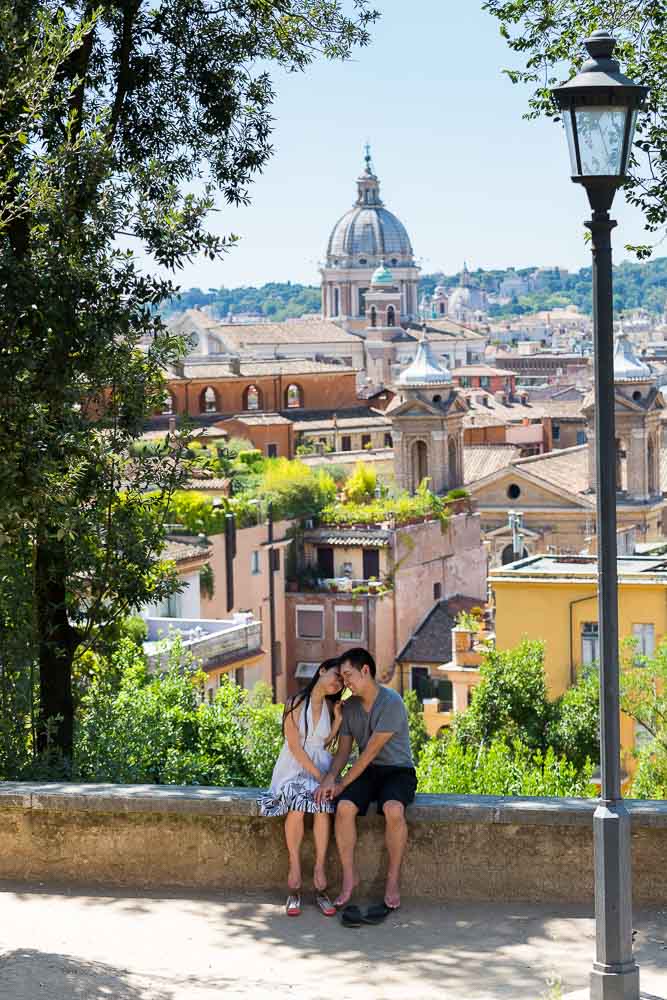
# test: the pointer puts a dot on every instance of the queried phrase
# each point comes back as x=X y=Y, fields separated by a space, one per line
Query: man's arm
x=337 y=764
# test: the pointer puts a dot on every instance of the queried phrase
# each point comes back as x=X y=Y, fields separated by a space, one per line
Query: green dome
x=382 y=276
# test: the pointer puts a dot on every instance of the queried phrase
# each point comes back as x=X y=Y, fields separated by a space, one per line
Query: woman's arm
x=293 y=737
x=337 y=765
x=336 y=724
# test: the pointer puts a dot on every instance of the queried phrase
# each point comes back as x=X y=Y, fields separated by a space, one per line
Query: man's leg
x=346 y=839
x=396 y=839
x=293 y=838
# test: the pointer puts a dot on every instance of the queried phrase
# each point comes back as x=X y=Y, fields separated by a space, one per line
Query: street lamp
x=599 y=109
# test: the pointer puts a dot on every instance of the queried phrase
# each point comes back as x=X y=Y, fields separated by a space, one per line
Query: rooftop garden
x=299 y=491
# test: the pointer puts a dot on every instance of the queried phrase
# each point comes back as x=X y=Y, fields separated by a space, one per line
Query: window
x=465 y=381
x=336 y=302
x=391 y=316
x=325 y=561
x=485 y=382
x=309 y=622
x=255 y=567
x=437 y=591
x=272 y=451
x=210 y=401
x=362 y=298
x=374 y=316
x=432 y=687
x=251 y=398
x=555 y=428
x=581 y=437
x=371 y=563
x=644 y=636
x=293 y=397
x=513 y=491
x=365 y=440
x=388 y=441
x=171 y=607
x=590 y=643
x=394 y=261
x=346 y=442
x=275 y=560
x=437 y=398
x=239 y=676
x=349 y=623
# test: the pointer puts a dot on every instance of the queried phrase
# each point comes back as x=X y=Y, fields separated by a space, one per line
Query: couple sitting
x=307 y=778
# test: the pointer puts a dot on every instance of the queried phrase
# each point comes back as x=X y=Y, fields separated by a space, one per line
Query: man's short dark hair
x=358 y=658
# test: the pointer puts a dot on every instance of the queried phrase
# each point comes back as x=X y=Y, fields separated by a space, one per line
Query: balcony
x=212 y=642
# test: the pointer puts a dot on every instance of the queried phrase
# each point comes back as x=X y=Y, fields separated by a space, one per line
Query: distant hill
x=636 y=285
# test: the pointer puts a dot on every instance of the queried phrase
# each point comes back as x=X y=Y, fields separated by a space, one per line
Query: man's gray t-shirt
x=387 y=715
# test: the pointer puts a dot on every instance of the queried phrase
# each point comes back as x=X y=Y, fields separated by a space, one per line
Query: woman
x=311 y=722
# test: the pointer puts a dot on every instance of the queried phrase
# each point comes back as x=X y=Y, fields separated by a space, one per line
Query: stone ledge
x=242 y=802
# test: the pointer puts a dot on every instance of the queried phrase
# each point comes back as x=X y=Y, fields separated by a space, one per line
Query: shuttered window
x=349 y=624
x=310 y=623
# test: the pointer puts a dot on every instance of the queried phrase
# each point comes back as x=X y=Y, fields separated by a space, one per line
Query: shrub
x=447 y=766
x=457 y=494
x=361 y=484
x=418 y=732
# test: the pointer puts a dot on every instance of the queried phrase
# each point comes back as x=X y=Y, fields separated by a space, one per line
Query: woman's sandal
x=293 y=905
x=324 y=904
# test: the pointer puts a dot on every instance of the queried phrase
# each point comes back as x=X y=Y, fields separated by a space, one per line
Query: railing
x=208 y=640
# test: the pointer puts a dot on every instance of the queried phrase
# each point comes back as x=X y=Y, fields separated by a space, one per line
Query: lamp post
x=599 y=108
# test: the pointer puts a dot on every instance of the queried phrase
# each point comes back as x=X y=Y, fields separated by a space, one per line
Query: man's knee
x=394 y=812
x=345 y=811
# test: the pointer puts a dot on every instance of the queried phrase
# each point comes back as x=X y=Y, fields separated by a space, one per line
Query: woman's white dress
x=292 y=787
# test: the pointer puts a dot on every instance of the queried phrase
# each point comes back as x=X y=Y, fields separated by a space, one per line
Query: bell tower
x=427 y=425
x=639 y=405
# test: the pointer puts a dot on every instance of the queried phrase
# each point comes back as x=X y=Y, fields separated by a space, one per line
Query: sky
x=466 y=174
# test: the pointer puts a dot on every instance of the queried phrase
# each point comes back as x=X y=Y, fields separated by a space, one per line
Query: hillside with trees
x=636 y=285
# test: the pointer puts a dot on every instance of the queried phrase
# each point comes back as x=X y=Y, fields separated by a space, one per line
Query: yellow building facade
x=554 y=599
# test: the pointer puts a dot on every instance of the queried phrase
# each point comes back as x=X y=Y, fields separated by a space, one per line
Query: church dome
x=627 y=366
x=425 y=371
x=369 y=231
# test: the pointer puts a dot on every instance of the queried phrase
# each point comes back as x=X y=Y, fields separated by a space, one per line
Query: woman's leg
x=321 y=833
x=293 y=839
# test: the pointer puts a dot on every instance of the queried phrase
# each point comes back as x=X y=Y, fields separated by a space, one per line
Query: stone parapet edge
x=242 y=802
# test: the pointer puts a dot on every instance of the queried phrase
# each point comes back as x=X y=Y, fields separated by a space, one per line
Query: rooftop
x=215 y=642
x=631 y=569
x=431 y=642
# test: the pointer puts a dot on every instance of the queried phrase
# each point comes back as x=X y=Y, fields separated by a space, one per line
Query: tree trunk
x=56 y=642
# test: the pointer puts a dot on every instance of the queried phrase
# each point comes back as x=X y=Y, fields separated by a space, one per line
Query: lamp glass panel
x=600 y=132
x=633 y=123
x=569 y=132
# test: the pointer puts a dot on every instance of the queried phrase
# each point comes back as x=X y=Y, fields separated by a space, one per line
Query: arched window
x=374 y=316
x=168 y=406
x=650 y=458
x=293 y=396
x=419 y=464
x=336 y=302
x=252 y=398
x=209 y=401
x=394 y=262
x=391 y=316
x=442 y=308
x=621 y=465
x=508 y=554
x=453 y=464
x=437 y=398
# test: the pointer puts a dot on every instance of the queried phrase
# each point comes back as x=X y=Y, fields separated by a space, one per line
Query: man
x=376 y=720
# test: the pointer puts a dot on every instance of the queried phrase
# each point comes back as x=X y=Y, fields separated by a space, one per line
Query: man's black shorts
x=381 y=783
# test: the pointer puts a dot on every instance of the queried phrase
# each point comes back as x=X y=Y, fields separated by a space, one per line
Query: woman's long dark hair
x=303 y=697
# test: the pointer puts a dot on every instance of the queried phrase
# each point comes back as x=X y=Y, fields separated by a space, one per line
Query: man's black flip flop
x=377 y=913
x=351 y=917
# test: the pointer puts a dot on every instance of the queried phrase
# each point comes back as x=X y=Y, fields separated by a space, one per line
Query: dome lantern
x=425 y=371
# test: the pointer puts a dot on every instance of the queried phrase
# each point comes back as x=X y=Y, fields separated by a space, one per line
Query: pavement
x=72 y=944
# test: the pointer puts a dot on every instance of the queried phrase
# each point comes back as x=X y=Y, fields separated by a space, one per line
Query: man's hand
x=337 y=789
x=324 y=791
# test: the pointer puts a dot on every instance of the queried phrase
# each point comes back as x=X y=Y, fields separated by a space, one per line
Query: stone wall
x=462 y=848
